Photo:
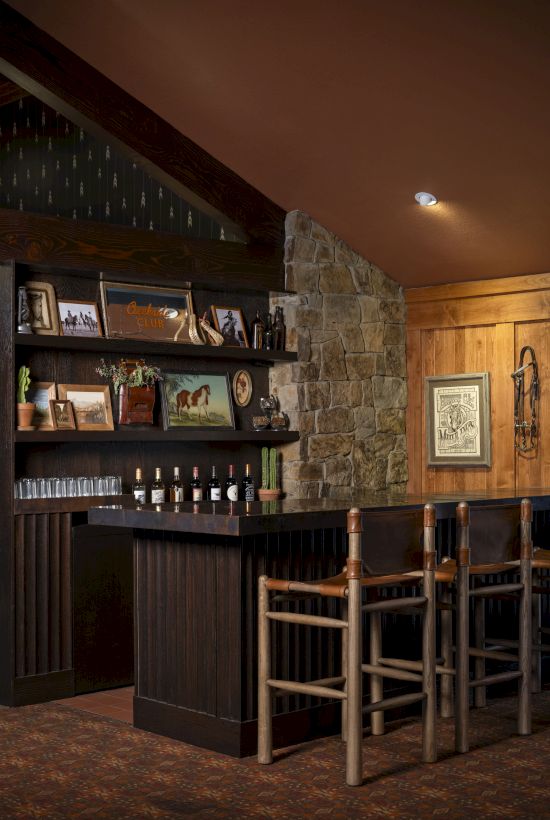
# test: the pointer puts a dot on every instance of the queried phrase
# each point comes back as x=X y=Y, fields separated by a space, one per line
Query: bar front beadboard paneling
x=43 y=608
x=477 y=327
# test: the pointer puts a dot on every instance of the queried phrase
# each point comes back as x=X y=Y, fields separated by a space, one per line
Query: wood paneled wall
x=474 y=327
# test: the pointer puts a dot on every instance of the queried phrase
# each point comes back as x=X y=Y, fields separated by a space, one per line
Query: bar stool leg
x=345 y=671
x=429 y=747
x=447 y=695
x=480 y=692
x=376 y=681
x=525 y=620
x=462 y=661
x=265 y=740
x=536 y=674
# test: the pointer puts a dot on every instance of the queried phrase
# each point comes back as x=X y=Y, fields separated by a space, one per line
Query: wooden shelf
x=153 y=434
x=81 y=503
x=102 y=344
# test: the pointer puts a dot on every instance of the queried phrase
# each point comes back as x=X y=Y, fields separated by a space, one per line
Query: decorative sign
x=149 y=313
x=458 y=420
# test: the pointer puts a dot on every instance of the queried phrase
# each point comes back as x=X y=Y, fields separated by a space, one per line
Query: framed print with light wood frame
x=229 y=321
x=150 y=313
x=196 y=400
x=43 y=308
x=79 y=318
x=458 y=430
x=242 y=388
x=62 y=414
x=40 y=393
x=91 y=405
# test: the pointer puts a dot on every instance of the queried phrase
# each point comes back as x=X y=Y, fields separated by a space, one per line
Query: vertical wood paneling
x=413 y=417
x=43 y=598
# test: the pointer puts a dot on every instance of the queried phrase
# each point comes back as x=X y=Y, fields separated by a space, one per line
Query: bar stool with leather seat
x=393 y=544
x=491 y=541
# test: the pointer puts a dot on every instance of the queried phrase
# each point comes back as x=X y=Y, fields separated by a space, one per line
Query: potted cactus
x=25 y=409
x=269 y=491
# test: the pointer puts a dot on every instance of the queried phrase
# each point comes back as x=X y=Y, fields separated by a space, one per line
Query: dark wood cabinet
x=65 y=621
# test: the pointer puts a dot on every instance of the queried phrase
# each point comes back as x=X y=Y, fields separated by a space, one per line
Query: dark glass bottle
x=214 y=487
x=279 y=330
x=248 y=485
x=196 y=486
x=231 y=486
x=138 y=487
x=258 y=330
x=268 y=335
x=158 y=491
x=176 y=487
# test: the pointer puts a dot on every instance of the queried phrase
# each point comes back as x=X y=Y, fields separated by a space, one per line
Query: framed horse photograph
x=196 y=400
x=79 y=318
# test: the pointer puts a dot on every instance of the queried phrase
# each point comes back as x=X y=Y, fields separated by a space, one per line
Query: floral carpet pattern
x=60 y=762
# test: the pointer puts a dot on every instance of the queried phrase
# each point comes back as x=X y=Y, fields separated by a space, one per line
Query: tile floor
x=113 y=703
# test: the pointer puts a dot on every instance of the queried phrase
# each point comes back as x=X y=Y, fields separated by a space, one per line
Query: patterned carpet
x=59 y=762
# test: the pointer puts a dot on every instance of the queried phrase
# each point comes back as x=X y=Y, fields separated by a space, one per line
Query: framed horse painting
x=196 y=400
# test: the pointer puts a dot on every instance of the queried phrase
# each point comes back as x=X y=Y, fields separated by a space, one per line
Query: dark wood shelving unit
x=81 y=503
x=103 y=344
x=153 y=434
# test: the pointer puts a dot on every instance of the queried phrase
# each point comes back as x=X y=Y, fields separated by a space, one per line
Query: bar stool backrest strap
x=393 y=541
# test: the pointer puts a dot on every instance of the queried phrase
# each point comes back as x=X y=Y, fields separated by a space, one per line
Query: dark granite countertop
x=251 y=518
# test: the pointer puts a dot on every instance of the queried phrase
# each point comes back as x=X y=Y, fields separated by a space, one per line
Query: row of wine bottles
x=211 y=491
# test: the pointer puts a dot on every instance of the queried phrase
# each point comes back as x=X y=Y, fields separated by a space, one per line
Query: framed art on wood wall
x=458 y=428
x=43 y=308
x=196 y=400
x=91 y=405
x=149 y=313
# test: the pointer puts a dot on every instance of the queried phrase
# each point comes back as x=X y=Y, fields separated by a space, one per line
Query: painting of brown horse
x=187 y=400
x=194 y=399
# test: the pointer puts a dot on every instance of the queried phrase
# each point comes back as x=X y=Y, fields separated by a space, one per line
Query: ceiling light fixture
x=425 y=199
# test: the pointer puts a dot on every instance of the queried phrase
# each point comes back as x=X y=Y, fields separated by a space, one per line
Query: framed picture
x=196 y=400
x=43 y=309
x=78 y=318
x=62 y=414
x=40 y=394
x=91 y=405
x=242 y=388
x=148 y=313
x=458 y=420
x=229 y=321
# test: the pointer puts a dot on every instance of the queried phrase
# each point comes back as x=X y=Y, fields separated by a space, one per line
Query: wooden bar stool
x=392 y=548
x=494 y=541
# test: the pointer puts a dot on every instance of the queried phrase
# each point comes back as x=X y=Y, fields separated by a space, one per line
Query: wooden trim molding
x=484 y=287
x=68 y=243
x=45 y=68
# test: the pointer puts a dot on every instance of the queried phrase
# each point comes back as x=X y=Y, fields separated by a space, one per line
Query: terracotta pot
x=268 y=495
x=135 y=405
x=25 y=413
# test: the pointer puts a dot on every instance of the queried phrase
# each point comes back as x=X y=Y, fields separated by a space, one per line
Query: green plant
x=138 y=375
x=23 y=384
x=269 y=468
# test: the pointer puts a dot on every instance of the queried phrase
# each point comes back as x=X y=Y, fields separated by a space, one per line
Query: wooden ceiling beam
x=9 y=92
x=45 y=68
x=135 y=255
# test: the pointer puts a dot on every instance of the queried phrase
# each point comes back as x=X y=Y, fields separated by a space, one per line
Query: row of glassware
x=68 y=486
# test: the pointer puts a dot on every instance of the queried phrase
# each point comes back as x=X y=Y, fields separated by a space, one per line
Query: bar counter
x=195 y=575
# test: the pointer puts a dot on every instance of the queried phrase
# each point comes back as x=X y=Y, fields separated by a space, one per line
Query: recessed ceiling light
x=423 y=198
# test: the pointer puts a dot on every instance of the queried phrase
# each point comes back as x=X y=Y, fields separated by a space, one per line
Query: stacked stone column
x=348 y=393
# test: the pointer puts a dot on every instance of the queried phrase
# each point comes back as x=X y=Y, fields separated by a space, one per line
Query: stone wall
x=348 y=393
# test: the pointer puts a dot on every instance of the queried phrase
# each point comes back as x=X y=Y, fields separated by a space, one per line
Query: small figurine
x=23 y=311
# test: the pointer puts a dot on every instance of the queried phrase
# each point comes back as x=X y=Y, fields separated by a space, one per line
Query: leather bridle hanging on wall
x=525 y=431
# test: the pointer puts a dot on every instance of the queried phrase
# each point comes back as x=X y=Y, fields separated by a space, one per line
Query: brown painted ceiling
x=346 y=108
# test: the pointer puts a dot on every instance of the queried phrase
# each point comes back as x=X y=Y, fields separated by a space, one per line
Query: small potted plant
x=134 y=385
x=25 y=409
x=269 y=491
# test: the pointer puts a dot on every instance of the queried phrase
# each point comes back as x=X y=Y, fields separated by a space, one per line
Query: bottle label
x=215 y=493
x=249 y=492
x=176 y=494
x=157 y=496
x=139 y=496
x=233 y=492
x=197 y=493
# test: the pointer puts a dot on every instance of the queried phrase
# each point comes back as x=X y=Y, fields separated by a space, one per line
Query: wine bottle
x=279 y=330
x=196 y=486
x=176 y=487
x=248 y=485
x=258 y=330
x=268 y=335
x=158 y=491
x=214 y=487
x=138 y=487
x=231 y=486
